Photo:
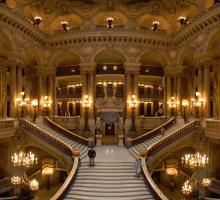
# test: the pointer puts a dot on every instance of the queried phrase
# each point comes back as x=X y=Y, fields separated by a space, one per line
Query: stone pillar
x=215 y=93
x=13 y=92
x=55 y=96
x=206 y=92
x=40 y=92
x=168 y=94
x=19 y=79
x=200 y=79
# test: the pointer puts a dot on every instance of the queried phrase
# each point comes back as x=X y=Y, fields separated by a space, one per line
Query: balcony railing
x=212 y=128
x=70 y=123
x=7 y=123
x=152 y=122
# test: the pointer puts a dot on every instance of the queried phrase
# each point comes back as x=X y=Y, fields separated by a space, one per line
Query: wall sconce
x=155 y=25
x=110 y=22
x=64 y=24
x=34 y=104
x=46 y=104
x=197 y=103
x=37 y=20
x=185 y=104
x=22 y=102
x=133 y=104
x=183 y=20
x=173 y=104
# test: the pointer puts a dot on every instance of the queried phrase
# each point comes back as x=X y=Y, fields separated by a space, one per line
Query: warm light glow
x=46 y=102
x=156 y=23
x=110 y=22
x=34 y=103
x=115 y=68
x=47 y=171
x=186 y=188
x=37 y=18
x=171 y=171
x=133 y=102
x=185 y=103
x=23 y=159
x=195 y=160
x=86 y=103
x=34 y=185
x=104 y=68
x=16 y=180
x=173 y=103
x=64 y=23
x=206 y=182
x=21 y=101
x=197 y=94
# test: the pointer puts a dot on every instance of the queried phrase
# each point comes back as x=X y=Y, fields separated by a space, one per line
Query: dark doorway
x=109 y=129
x=77 y=109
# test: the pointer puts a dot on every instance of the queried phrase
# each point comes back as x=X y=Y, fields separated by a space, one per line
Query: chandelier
x=206 y=182
x=16 y=180
x=23 y=159
x=195 y=160
x=186 y=188
x=34 y=185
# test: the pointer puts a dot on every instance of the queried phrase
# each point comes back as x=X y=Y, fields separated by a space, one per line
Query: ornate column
x=52 y=89
x=87 y=71
x=3 y=88
x=206 y=92
x=13 y=92
x=216 y=106
x=19 y=79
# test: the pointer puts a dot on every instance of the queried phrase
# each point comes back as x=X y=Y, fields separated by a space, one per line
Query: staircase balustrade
x=65 y=132
x=156 y=147
x=7 y=123
x=74 y=153
x=153 y=132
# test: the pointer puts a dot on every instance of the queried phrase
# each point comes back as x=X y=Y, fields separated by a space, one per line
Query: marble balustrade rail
x=61 y=146
x=156 y=147
x=7 y=123
x=66 y=132
x=153 y=132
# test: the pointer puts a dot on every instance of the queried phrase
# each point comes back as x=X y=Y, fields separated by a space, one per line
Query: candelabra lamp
x=171 y=171
x=197 y=103
x=185 y=105
x=173 y=104
x=186 y=189
x=46 y=104
x=22 y=103
x=133 y=104
x=48 y=171
x=86 y=105
x=34 y=104
x=206 y=182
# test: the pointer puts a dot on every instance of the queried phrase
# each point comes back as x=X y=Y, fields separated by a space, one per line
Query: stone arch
x=6 y=44
x=32 y=56
x=65 y=57
x=109 y=55
x=154 y=58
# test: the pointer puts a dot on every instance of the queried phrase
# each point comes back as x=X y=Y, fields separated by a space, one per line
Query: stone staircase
x=65 y=139
x=108 y=181
x=134 y=150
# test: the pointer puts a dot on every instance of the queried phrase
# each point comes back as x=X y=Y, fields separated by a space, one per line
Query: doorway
x=110 y=137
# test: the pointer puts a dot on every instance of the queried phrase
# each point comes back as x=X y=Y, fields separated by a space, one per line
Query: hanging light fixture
x=23 y=159
x=183 y=20
x=195 y=160
x=37 y=20
x=16 y=180
x=64 y=24
x=155 y=25
x=110 y=22
x=34 y=185
x=186 y=188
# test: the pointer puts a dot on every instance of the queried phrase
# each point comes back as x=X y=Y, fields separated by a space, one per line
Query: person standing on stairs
x=137 y=167
x=92 y=155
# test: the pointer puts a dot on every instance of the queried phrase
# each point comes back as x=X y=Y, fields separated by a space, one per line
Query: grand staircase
x=83 y=148
x=134 y=150
x=108 y=181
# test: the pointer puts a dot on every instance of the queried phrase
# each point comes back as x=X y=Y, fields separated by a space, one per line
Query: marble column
x=206 y=92
x=215 y=102
x=169 y=93
x=19 y=79
x=200 y=79
x=13 y=92
x=179 y=95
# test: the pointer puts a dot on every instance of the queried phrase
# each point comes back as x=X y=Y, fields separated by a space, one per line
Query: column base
x=98 y=140
x=121 y=140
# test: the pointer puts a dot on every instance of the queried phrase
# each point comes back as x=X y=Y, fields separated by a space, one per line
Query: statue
x=98 y=126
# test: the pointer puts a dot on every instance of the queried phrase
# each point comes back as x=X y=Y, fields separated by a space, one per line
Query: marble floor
x=112 y=153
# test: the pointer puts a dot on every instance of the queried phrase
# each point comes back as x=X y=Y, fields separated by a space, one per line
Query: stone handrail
x=68 y=122
x=68 y=182
x=38 y=132
x=153 y=132
x=66 y=132
x=154 y=148
x=73 y=152
x=7 y=123
x=213 y=123
x=152 y=122
x=157 y=192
